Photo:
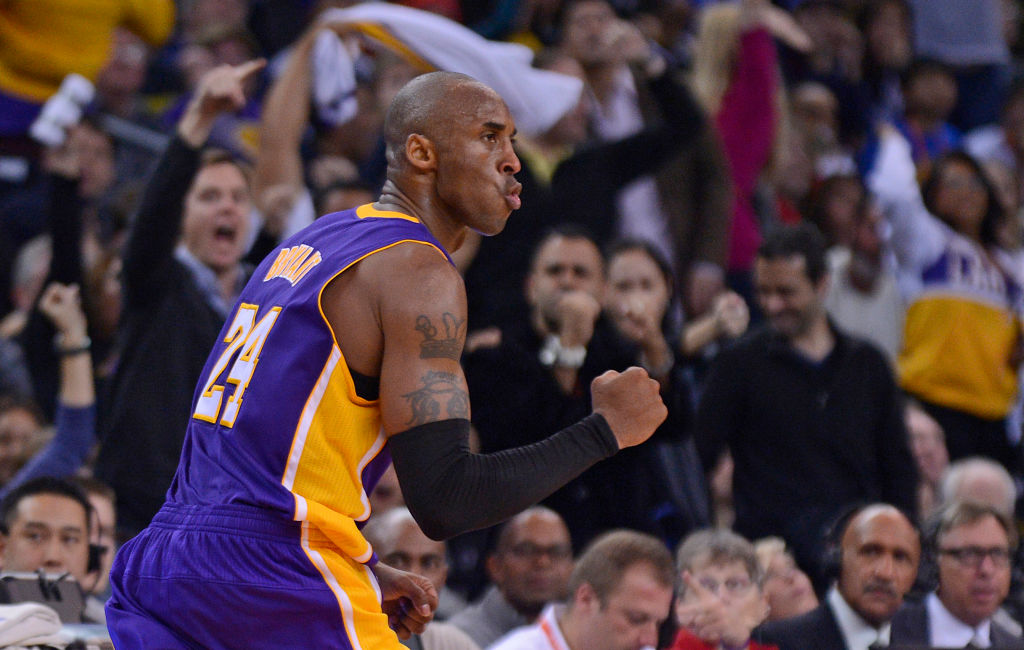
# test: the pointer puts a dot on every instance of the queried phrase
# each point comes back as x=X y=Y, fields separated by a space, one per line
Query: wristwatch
x=553 y=353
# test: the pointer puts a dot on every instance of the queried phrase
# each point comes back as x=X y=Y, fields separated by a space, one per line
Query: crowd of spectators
x=803 y=218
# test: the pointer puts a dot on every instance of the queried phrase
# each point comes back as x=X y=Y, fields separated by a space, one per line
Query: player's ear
x=420 y=152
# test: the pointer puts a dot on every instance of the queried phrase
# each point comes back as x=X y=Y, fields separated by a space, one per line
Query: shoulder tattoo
x=444 y=343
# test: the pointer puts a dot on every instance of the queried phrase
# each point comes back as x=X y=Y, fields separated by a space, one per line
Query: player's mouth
x=512 y=195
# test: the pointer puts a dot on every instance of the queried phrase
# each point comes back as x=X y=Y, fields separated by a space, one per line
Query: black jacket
x=167 y=330
x=911 y=627
x=808 y=439
x=815 y=630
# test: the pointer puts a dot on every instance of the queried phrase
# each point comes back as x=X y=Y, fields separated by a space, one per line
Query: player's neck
x=423 y=206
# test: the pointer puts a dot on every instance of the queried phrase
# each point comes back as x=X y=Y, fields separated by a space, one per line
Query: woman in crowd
x=720 y=601
x=786 y=588
x=962 y=338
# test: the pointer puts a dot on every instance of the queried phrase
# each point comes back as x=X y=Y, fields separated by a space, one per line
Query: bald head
x=420 y=106
x=534 y=517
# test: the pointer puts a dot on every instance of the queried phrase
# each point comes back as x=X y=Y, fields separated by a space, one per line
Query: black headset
x=832 y=560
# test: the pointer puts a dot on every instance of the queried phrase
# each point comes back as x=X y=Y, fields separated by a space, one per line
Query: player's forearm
x=451 y=491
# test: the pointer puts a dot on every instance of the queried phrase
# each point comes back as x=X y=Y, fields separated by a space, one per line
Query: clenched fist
x=631 y=403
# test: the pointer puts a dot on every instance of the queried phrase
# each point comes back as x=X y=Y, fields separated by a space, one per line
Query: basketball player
x=342 y=354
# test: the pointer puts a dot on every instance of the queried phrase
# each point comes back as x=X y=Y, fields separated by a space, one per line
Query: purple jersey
x=276 y=421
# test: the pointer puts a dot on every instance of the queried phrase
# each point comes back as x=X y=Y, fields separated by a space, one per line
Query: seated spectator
x=538 y=369
x=928 y=445
x=638 y=300
x=984 y=481
x=45 y=524
x=980 y=480
x=787 y=589
x=529 y=568
x=620 y=593
x=720 y=599
x=387 y=496
x=399 y=542
x=103 y=502
x=75 y=419
x=20 y=422
x=973 y=545
x=875 y=551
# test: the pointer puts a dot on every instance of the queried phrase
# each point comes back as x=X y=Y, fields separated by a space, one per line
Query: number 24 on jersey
x=245 y=336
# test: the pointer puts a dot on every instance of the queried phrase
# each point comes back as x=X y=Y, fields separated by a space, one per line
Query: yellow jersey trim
x=367 y=210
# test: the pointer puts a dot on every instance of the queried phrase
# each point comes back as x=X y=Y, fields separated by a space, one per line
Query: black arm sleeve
x=450 y=490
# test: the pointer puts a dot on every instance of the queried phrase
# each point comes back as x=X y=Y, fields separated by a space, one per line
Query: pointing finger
x=245 y=70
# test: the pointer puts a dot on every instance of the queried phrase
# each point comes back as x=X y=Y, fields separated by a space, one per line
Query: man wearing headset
x=875 y=552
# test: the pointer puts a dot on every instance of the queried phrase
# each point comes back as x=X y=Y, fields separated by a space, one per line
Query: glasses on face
x=973 y=556
x=530 y=551
x=733 y=586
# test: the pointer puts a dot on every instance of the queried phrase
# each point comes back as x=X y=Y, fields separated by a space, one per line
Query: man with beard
x=875 y=554
x=811 y=415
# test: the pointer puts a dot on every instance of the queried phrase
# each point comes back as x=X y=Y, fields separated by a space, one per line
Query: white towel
x=537 y=98
x=334 y=80
x=28 y=624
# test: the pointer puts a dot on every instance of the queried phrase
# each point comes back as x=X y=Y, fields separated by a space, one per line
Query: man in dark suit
x=973 y=545
x=877 y=551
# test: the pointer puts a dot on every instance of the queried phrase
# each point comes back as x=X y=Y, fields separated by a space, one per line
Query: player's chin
x=493 y=225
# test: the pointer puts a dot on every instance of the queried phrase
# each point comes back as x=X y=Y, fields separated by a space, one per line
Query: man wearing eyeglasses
x=972 y=544
x=529 y=568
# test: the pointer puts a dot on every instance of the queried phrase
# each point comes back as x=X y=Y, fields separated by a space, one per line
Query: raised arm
x=917 y=236
x=76 y=409
x=158 y=223
x=285 y=117
x=420 y=306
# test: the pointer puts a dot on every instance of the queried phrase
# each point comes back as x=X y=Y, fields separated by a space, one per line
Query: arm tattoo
x=446 y=346
x=426 y=402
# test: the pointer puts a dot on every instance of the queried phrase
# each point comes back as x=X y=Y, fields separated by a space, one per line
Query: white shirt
x=947 y=631
x=858 y=633
x=545 y=634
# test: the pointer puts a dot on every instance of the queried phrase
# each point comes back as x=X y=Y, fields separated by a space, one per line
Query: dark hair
x=803 y=239
x=42 y=485
x=567 y=230
x=216 y=156
x=320 y=194
x=18 y=402
x=91 y=485
x=922 y=66
x=815 y=206
x=993 y=212
x=627 y=244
